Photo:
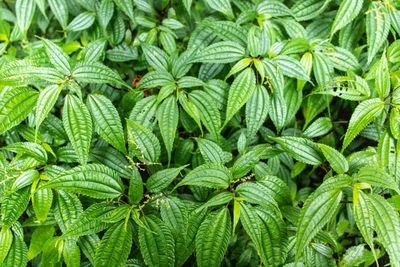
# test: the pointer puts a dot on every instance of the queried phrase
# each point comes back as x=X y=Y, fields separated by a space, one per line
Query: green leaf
x=364 y=218
x=316 y=212
x=25 y=10
x=6 y=239
x=336 y=160
x=90 y=221
x=221 y=52
x=363 y=115
x=105 y=13
x=342 y=59
x=145 y=144
x=222 y=6
x=30 y=149
x=60 y=11
x=382 y=77
x=213 y=237
x=39 y=236
x=15 y=105
x=24 y=179
x=348 y=11
x=257 y=109
x=47 y=99
x=115 y=246
x=308 y=9
x=67 y=209
x=78 y=125
x=42 y=201
x=210 y=175
x=267 y=230
x=93 y=180
x=378 y=25
x=127 y=7
x=377 y=177
x=158 y=248
x=273 y=8
x=209 y=113
x=301 y=149
x=291 y=67
x=81 y=22
x=13 y=206
x=387 y=226
x=213 y=153
x=168 y=118
x=93 y=51
x=96 y=73
x=255 y=193
x=162 y=179
x=190 y=109
x=323 y=71
x=17 y=256
x=217 y=200
x=107 y=122
x=156 y=57
x=240 y=92
x=57 y=56
x=154 y=79
x=319 y=127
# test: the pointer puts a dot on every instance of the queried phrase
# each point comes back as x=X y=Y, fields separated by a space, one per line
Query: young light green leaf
x=363 y=115
x=107 y=122
x=94 y=180
x=78 y=125
x=213 y=237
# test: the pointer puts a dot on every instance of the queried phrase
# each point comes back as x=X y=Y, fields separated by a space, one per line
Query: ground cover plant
x=199 y=133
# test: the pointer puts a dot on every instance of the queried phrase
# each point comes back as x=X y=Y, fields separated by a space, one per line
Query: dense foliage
x=199 y=133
